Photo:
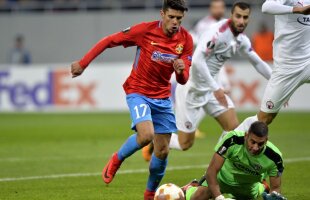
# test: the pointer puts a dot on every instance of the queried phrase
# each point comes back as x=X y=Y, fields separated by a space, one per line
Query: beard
x=237 y=30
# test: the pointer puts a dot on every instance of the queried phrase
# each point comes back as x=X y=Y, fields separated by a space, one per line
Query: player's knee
x=268 y=120
x=186 y=140
x=145 y=138
x=186 y=144
x=266 y=117
x=230 y=124
x=161 y=152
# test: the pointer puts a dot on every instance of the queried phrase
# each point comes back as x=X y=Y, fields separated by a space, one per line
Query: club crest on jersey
x=163 y=57
x=179 y=48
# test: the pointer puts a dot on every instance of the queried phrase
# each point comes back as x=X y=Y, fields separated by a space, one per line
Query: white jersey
x=202 y=26
x=217 y=45
x=291 y=47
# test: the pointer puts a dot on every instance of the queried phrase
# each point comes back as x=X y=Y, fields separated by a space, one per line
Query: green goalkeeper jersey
x=243 y=169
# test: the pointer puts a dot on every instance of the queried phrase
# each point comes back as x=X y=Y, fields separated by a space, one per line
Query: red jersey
x=153 y=64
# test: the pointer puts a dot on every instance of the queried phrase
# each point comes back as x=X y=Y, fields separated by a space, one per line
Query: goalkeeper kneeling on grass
x=239 y=167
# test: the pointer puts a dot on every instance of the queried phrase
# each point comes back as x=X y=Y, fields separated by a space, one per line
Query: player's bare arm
x=211 y=176
x=275 y=183
x=302 y=10
x=179 y=66
x=220 y=96
x=76 y=69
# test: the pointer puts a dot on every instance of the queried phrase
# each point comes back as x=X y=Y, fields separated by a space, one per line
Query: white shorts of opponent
x=191 y=106
x=283 y=82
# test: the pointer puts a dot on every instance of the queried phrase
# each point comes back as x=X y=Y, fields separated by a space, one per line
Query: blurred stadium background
x=57 y=133
x=73 y=26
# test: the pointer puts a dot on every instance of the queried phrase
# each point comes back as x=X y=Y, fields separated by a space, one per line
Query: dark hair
x=175 y=5
x=240 y=4
x=260 y=129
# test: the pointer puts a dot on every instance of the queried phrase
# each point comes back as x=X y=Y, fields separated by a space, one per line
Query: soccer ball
x=169 y=191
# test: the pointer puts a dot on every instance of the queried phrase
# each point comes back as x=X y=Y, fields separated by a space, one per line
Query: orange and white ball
x=169 y=191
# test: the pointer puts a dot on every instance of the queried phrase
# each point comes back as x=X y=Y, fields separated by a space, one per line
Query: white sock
x=245 y=125
x=174 y=142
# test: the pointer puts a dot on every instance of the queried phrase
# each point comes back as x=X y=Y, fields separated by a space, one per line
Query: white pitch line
x=59 y=158
x=293 y=160
x=134 y=171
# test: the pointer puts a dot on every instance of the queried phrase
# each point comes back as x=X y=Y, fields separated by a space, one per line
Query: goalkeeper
x=241 y=163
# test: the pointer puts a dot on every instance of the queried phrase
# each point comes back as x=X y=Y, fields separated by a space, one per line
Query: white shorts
x=281 y=86
x=192 y=106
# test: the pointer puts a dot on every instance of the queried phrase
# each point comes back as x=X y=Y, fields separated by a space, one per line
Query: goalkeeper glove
x=273 y=196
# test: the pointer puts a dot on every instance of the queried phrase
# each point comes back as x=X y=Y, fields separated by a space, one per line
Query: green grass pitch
x=60 y=156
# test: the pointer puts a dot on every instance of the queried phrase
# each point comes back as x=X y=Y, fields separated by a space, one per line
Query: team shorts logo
x=163 y=57
x=269 y=104
x=304 y=20
x=188 y=125
x=179 y=48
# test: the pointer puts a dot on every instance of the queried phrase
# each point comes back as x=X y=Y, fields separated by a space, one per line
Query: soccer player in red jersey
x=163 y=47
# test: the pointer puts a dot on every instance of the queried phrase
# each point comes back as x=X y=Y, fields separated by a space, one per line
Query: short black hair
x=240 y=4
x=260 y=129
x=175 y=5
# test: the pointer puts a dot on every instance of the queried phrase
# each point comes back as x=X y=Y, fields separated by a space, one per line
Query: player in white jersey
x=216 y=13
x=291 y=54
x=217 y=45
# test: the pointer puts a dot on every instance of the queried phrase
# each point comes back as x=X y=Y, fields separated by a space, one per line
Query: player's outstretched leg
x=158 y=164
x=127 y=149
x=111 y=168
x=157 y=170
